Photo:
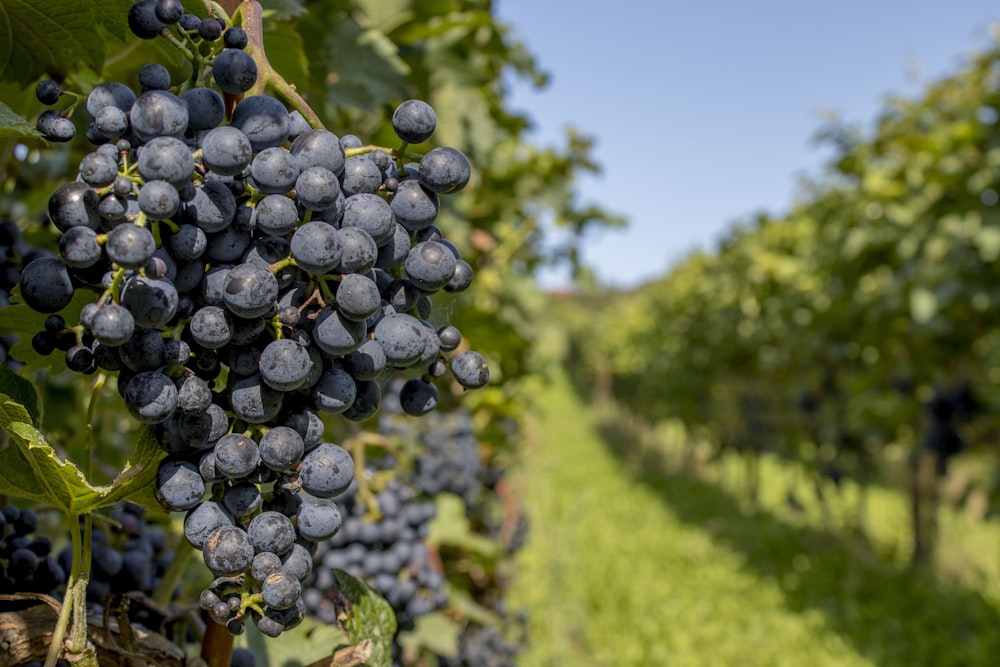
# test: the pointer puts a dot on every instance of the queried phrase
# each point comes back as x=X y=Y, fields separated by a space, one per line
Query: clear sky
x=704 y=111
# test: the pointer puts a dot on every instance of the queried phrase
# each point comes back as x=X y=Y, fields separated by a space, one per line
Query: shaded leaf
x=51 y=36
x=451 y=527
x=31 y=469
x=369 y=617
x=19 y=390
x=365 y=68
x=12 y=124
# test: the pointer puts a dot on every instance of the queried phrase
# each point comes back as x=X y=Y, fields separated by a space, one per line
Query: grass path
x=666 y=571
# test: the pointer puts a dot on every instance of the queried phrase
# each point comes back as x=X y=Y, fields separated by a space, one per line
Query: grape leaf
x=18 y=318
x=12 y=124
x=282 y=9
x=368 y=617
x=31 y=469
x=451 y=527
x=20 y=390
x=52 y=36
x=365 y=67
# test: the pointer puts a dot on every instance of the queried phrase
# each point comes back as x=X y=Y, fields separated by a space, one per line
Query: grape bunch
x=251 y=275
x=26 y=561
x=388 y=552
x=484 y=646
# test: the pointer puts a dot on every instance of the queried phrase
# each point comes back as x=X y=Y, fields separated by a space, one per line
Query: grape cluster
x=484 y=646
x=251 y=275
x=388 y=552
x=448 y=460
x=26 y=562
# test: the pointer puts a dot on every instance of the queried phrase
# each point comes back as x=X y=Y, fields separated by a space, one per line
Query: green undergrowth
x=632 y=562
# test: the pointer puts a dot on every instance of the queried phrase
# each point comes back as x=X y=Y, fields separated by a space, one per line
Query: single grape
x=158 y=113
x=236 y=455
x=54 y=127
x=226 y=150
x=336 y=335
x=318 y=519
x=79 y=248
x=418 y=397
x=445 y=170
x=357 y=297
x=179 y=486
x=203 y=520
x=275 y=170
x=235 y=37
x=317 y=188
x=470 y=369
x=285 y=364
x=48 y=92
x=280 y=590
x=227 y=551
x=276 y=215
x=253 y=401
x=150 y=397
x=112 y=325
x=272 y=532
x=154 y=76
x=263 y=119
x=74 y=204
x=159 y=200
x=250 y=291
x=327 y=470
x=281 y=448
x=206 y=108
x=430 y=265
x=211 y=327
x=319 y=148
x=45 y=285
x=360 y=175
x=234 y=71
x=317 y=247
x=414 y=121
x=167 y=159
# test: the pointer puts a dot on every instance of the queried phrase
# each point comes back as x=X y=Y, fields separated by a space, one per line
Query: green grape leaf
x=369 y=616
x=20 y=390
x=18 y=318
x=49 y=36
x=31 y=469
x=286 y=53
x=385 y=15
x=451 y=527
x=12 y=124
x=281 y=10
x=364 y=66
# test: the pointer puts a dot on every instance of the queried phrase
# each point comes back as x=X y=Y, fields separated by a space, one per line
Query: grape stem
x=267 y=76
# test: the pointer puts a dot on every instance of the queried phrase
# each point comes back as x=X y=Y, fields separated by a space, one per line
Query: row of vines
x=857 y=332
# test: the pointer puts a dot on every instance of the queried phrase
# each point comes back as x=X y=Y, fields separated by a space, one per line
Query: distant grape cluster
x=388 y=552
x=251 y=274
x=26 y=560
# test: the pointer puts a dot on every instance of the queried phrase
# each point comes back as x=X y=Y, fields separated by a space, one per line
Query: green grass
x=633 y=563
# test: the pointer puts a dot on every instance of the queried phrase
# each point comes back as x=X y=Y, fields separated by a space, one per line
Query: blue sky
x=704 y=112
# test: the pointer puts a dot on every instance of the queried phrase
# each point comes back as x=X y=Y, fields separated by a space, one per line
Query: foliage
x=638 y=562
